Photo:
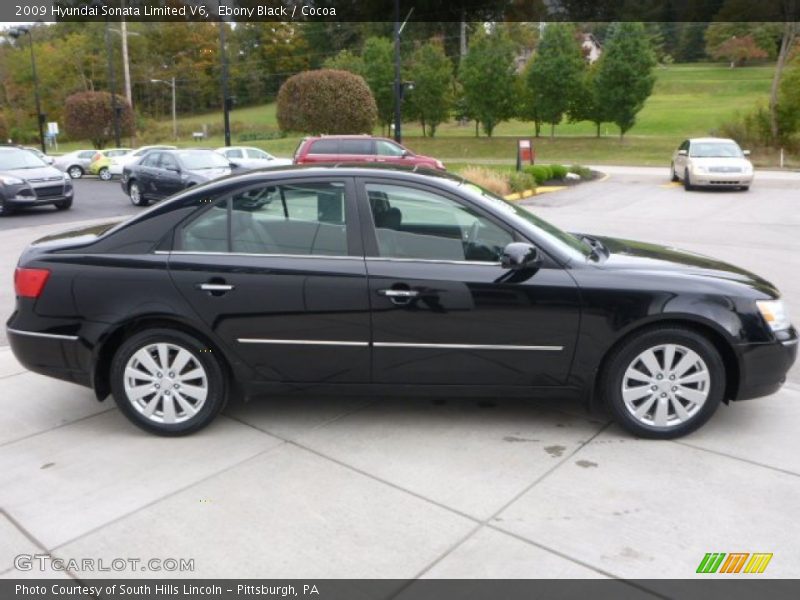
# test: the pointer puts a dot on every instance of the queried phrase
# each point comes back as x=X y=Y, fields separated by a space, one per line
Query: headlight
x=699 y=169
x=8 y=180
x=774 y=313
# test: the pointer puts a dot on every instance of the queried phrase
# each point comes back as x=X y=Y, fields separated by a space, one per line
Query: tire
x=164 y=405
x=136 y=195
x=673 y=174
x=5 y=210
x=745 y=188
x=75 y=172
x=63 y=204
x=104 y=174
x=629 y=387
x=687 y=183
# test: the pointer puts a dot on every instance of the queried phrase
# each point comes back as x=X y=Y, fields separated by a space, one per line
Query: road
x=369 y=487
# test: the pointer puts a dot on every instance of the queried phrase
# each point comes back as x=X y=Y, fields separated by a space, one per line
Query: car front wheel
x=135 y=193
x=687 y=183
x=75 y=172
x=673 y=174
x=664 y=382
x=105 y=174
x=167 y=382
x=64 y=204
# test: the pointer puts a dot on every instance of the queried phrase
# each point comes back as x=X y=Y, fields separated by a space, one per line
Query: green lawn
x=688 y=100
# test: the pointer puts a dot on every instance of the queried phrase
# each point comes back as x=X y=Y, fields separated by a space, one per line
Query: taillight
x=29 y=283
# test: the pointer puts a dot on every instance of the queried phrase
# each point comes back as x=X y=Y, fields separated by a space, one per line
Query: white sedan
x=712 y=162
x=248 y=157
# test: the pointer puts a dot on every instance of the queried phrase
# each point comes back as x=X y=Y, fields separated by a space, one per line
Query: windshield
x=715 y=150
x=13 y=158
x=564 y=240
x=195 y=161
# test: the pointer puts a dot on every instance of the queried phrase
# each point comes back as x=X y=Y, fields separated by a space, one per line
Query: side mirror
x=682 y=153
x=520 y=255
x=233 y=165
x=406 y=154
x=746 y=152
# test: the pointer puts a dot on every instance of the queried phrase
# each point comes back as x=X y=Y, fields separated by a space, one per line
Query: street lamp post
x=226 y=100
x=40 y=118
x=171 y=84
x=115 y=114
x=399 y=86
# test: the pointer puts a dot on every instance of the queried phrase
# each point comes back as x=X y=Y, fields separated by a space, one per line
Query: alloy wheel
x=665 y=386
x=165 y=383
x=135 y=193
x=105 y=174
x=75 y=172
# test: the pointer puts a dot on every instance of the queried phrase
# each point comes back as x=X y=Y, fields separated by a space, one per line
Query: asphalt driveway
x=314 y=487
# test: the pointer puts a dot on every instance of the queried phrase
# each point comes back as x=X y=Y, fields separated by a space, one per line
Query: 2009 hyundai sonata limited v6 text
x=389 y=281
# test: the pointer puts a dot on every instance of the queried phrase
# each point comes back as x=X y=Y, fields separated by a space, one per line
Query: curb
x=545 y=189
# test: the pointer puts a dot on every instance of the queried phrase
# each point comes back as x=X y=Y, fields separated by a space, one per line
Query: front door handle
x=399 y=297
x=215 y=288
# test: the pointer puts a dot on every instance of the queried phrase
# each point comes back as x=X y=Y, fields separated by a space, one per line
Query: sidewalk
x=377 y=488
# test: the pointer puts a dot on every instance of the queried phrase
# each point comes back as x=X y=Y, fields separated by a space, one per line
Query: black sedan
x=26 y=180
x=385 y=281
x=161 y=173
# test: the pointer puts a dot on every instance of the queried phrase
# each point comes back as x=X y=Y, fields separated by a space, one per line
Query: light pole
x=226 y=100
x=112 y=84
x=171 y=84
x=398 y=83
x=40 y=118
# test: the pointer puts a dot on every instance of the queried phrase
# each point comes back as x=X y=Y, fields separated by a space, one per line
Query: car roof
x=711 y=139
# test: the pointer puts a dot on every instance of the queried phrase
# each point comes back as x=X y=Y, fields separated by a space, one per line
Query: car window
x=388 y=148
x=715 y=150
x=324 y=147
x=355 y=147
x=234 y=153
x=297 y=219
x=112 y=153
x=259 y=154
x=414 y=224
x=151 y=159
x=168 y=162
x=87 y=154
x=12 y=158
x=198 y=160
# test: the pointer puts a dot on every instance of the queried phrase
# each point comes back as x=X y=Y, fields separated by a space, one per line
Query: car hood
x=209 y=174
x=641 y=256
x=37 y=174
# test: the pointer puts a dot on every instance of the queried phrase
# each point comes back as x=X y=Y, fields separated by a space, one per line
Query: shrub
x=326 y=101
x=249 y=136
x=559 y=171
x=520 y=181
x=540 y=173
x=3 y=128
x=88 y=116
x=582 y=172
x=487 y=178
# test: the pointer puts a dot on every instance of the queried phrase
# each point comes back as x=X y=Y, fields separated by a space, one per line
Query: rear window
x=355 y=147
x=325 y=147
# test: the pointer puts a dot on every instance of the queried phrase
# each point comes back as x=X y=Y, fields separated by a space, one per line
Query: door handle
x=215 y=289
x=399 y=293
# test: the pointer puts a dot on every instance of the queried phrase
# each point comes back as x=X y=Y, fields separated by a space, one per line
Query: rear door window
x=324 y=147
x=360 y=147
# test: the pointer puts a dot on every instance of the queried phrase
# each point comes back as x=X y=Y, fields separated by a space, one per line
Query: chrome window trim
x=54 y=336
x=434 y=260
x=301 y=342
x=202 y=253
x=467 y=346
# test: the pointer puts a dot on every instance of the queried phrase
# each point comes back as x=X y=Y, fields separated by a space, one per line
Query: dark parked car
x=26 y=180
x=357 y=279
x=161 y=173
x=359 y=148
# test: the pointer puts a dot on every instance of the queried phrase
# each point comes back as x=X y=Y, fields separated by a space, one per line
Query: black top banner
x=391 y=10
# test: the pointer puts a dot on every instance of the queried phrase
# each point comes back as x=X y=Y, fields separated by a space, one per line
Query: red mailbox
x=526 y=155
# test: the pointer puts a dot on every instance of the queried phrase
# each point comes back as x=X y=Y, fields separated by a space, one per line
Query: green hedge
x=521 y=181
x=543 y=173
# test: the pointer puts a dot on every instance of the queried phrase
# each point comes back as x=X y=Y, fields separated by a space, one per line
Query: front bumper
x=764 y=366
x=722 y=179
x=20 y=196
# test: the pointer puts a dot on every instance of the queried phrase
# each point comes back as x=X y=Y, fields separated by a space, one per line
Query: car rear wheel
x=167 y=382
x=104 y=174
x=75 y=172
x=64 y=204
x=687 y=183
x=135 y=192
x=664 y=382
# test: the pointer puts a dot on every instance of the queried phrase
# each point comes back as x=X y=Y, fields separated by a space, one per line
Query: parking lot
x=317 y=487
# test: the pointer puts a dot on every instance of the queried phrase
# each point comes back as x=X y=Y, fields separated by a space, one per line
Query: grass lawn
x=688 y=100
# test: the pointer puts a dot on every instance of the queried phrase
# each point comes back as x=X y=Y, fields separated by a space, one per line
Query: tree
x=738 y=50
x=587 y=106
x=346 y=61
x=488 y=79
x=326 y=101
x=89 y=116
x=554 y=79
x=378 y=57
x=790 y=33
x=788 y=107
x=624 y=78
x=432 y=97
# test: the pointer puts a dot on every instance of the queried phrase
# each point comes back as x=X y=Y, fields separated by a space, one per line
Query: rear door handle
x=403 y=294
x=215 y=287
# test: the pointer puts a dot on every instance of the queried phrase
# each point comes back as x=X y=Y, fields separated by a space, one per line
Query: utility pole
x=126 y=67
x=226 y=101
x=40 y=118
x=112 y=84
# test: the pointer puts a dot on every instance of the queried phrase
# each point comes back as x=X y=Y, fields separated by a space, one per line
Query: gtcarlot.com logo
x=44 y=562
x=734 y=562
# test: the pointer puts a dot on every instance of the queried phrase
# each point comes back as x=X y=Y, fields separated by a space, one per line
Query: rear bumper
x=764 y=366
x=53 y=354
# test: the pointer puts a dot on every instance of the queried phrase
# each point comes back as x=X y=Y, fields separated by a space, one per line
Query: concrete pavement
x=318 y=487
